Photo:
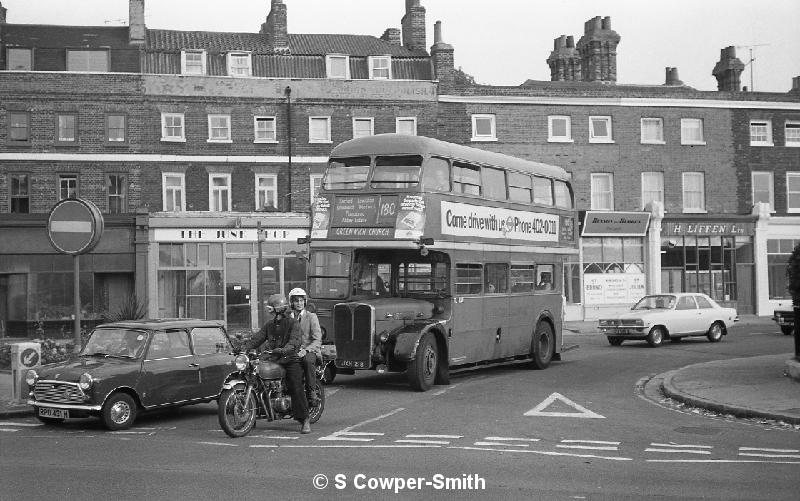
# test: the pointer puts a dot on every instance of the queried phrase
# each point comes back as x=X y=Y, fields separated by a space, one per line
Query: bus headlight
x=86 y=381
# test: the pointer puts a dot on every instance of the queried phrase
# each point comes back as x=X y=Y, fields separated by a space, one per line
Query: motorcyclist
x=282 y=336
x=311 y=349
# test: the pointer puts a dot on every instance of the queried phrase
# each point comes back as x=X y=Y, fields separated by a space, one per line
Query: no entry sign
x=75 y=226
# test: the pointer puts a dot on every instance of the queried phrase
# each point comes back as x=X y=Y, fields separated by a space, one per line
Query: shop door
x=238 y=294
x=744 y=289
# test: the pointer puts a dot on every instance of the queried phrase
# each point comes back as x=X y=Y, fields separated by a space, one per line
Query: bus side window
x=544 y=277
x=436 y=175
x=468 y=278
x=523 y=277
x=496 y=278
x=466 y=179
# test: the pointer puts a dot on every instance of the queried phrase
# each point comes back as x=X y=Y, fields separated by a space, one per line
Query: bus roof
x=399 y=144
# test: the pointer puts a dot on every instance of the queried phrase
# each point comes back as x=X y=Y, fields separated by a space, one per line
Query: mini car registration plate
x=53 y=413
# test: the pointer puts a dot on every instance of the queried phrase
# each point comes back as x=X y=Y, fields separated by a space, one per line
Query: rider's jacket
x=281 y=332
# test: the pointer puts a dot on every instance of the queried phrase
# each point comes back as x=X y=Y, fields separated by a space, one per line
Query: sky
x=504 y=42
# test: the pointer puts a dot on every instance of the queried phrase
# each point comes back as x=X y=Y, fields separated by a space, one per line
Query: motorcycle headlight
x=31 y=377
x=240 y=362
x=86 y=381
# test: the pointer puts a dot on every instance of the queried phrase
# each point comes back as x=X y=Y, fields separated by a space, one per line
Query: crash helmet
x=297 y=291
x=277 y=303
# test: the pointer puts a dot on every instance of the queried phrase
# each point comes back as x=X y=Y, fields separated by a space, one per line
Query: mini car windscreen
x=115 y=343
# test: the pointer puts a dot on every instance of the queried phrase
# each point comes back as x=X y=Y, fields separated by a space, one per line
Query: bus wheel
x=422 y=369
x=544 y=344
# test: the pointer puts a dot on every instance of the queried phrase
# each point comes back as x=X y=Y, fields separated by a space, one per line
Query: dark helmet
x=277 y=303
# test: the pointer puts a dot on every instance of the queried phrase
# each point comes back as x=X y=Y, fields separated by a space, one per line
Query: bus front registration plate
x=352 y=364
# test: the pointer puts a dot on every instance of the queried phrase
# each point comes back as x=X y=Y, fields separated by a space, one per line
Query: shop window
x=778 y=253
x=190 y=281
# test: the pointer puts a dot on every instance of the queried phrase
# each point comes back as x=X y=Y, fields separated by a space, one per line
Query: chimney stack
x=413 y=24
x=392 y=36
x=443 y=60
x=276 y=29
x=598 y=50
x=728 y=70
x=3 y=11
x=672 y=77
x=564 y=60
x=136 y=29
x=795 y=85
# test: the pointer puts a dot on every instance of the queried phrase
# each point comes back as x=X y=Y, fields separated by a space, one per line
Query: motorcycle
x=259 y=391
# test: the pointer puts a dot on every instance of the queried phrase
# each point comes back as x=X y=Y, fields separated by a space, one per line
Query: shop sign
x=708 y=228
x=226 y=234
x=625 y=224
x=613 y=288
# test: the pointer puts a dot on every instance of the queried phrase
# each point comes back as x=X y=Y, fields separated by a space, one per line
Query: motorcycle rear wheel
x=236 y=415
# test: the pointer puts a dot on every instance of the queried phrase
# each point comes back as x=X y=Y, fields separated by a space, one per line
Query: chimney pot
x=570 y=42
x=607 y=23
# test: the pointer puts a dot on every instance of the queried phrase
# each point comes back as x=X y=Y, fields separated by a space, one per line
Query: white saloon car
x=670 y=316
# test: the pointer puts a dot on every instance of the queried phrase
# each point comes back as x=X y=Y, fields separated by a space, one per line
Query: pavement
x=765 y=387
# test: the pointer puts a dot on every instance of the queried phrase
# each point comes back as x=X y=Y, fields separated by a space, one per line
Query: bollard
x=24 y=356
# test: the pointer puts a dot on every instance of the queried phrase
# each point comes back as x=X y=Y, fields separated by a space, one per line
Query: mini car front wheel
x=715 y=332
x=655 y=337
x=614 y=340
x=119 y=412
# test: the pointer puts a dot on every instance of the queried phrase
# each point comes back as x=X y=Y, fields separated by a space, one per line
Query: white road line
x=589 y=447
x=219 y=443
x=433 y=442
x=337 y=435
x=655 y=444
x=603 y=442
x=271 y=437
x=129 y=432
x=268 y=446
x=27 y=425
x=683 y=451
x=512 y=439
x=544 y=453
x=446 y=389
x=360 y=446
x=793 y=456
x=434 y=436
x=718 y=461
x=8 y=429
x=767 y=450
x=362 y=433
x=502 y=444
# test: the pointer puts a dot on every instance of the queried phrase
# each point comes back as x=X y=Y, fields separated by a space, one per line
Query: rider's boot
x=305 y=426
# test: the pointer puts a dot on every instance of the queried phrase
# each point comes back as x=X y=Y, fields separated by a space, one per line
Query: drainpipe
x=288 y=92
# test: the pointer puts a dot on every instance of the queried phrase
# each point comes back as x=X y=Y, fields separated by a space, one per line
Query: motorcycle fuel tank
x=270 y=370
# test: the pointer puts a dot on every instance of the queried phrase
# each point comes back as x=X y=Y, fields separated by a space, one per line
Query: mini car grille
x=63 y=393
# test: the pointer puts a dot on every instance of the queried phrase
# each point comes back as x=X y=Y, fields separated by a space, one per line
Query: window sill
x=321 y=142
x=265 y=141
x=559 y=140
x=173 y=140
x=66 y=145
x=117 y=144
x=484 y=139
x=653 y=142
x=601 y=141
x=762 y=144
x=695 y=211
x=220 y=141
x=694 y=143
x=792 y=145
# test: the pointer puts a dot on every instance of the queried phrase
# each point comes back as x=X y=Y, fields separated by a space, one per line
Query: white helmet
x=297 y=291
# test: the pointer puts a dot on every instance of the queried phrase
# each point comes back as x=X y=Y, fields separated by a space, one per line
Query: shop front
x=712 y=255
x=613 y=258
x=212 y=266
x=36 y=282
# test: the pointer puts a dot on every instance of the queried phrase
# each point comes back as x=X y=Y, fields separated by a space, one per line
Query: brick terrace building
x=191 y=141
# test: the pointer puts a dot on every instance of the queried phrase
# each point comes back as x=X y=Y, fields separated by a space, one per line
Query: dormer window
x=380 y=67
x=19 y=59
x=96 y=61
x=239 y=64
x=338 y=66
x=193 y=62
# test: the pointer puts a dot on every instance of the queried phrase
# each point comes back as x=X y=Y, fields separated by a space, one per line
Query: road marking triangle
x=582 y=412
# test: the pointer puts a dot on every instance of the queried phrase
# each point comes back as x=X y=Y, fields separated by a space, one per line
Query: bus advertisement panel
x=427 y=256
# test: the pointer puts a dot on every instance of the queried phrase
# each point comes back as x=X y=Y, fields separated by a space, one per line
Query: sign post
x=75 y=227
x=24 y=356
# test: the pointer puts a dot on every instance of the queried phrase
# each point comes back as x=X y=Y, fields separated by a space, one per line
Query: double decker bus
x=427 y=256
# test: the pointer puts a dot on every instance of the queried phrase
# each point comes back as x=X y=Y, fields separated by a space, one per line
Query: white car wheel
x=656 y=337
x=715 y=332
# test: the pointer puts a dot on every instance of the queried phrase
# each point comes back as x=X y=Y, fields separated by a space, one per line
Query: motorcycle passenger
x=282 y=335
x=311 y=349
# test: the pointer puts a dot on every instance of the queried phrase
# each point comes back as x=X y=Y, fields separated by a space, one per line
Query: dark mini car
x=133 y=366
x=784 y=317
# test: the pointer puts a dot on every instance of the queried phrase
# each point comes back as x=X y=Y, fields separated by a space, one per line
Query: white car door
x=685 y=315
x=707 y=312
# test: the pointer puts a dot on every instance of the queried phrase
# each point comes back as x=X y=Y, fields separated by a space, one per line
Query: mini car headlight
x=240 y=362
x=31 y=377
x=86 y=381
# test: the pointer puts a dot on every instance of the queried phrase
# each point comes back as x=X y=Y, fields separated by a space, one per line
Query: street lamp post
x=260 y=295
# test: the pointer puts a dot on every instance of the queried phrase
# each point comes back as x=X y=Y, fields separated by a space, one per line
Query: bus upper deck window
x=396 y=172
x=347 y=173
x=563 y=195
x=466 y=179
x=542 y=191
x=436 y=175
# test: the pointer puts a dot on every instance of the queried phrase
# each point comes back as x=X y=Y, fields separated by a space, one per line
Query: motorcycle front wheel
x=237 y=413
x=315 y=412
